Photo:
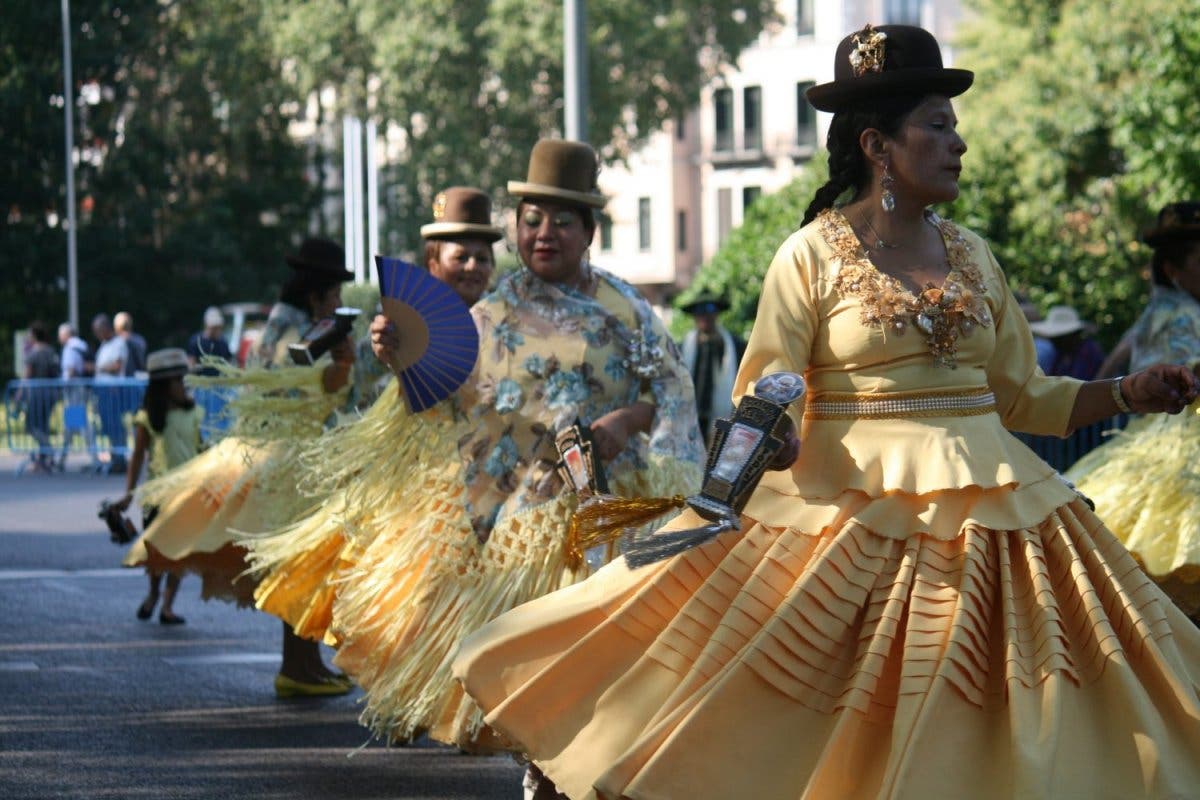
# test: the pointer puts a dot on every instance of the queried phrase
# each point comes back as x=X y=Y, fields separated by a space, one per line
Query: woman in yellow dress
x=917 y=607
x=1144 y=483
x=299 y=566
x=245 y=482
x=447 y=538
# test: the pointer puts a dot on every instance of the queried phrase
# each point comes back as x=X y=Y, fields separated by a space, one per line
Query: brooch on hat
x=439 y=206
x=867 y=55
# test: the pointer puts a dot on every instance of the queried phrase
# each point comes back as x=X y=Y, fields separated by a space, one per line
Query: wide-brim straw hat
x=462 y=212
x=321 y=257
x=885 y=61
x=1060 y=321
x=1176 y=222
x=562 y=170
x=168 y=363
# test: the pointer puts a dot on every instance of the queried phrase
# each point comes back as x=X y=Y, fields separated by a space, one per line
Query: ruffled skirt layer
x=1146 y=487
x=233 y=486
x=1038 y=662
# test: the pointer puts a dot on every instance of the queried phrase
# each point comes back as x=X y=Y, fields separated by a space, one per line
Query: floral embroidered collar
x=942 y=313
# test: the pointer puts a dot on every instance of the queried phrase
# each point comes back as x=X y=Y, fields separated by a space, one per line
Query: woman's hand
x=337 y=374
x=343 y=352
x=124 y=502
x=791 y=447
x=612 y=431
x=385 y=341
x=1162 y=387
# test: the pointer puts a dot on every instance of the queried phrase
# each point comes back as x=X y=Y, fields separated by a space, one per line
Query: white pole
x=575 y=69
x=348 y=191
x=359 y=239
x=69 y=115
x=372 y=202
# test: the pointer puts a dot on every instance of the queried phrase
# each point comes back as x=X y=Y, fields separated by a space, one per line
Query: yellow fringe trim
x=605 y=518
x=426 y=582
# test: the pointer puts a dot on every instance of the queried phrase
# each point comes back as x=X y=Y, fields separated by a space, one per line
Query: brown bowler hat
x=1176 y=222
x=561 y=170
x=885 y=61
x=462 y=212
x=321 y=256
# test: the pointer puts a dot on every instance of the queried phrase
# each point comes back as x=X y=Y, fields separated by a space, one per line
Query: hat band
x=539 y=190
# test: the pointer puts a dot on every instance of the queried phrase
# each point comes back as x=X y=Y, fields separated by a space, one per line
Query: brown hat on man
x=462 y=212
x=563 y=170
x=1176 y=222
x=885 y=61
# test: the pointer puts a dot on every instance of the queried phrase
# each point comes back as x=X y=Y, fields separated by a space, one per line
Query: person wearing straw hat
x=1142 y=481
x=1076 y=353
x=456 y=540
x=916 y=606
x=167 y=430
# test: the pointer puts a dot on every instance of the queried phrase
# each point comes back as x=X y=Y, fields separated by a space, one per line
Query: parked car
x=244 y=323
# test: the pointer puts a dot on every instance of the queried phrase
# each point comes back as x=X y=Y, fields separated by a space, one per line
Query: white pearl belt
x=900 y=405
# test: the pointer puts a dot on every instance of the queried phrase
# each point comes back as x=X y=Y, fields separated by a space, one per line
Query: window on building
x=749 y=195
x=902 y=12
x=804 y=17
x=806 y=117
x=644 y=223
x=604 y=223
x=724 y=214
x=752 y=117
x=681 y=230
x=723 y=108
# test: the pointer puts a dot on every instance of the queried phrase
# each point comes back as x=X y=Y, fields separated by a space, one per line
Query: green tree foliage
x=189 y=186
x=1080 y=126
x=467 y=87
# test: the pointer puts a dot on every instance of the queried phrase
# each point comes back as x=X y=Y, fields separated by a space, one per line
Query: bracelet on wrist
x=1119 y=396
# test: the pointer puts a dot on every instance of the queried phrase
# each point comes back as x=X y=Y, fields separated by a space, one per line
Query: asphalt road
x=96 y=704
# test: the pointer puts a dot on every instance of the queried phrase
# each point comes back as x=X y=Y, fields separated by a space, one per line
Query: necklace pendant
x=925 y=323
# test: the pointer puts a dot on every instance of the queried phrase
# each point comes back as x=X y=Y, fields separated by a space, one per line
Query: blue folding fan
x=438 y=340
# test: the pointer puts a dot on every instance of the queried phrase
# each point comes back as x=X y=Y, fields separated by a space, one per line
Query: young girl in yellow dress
x=167 y=430
x=917 y=607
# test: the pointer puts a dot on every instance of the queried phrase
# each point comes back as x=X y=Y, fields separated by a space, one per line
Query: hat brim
x=538 y=191
x=836 y=96
x=1156 y=237
x=461 y=230
x=169 y=372
x=1054 y=331
x=340 y=274
x=695 y=308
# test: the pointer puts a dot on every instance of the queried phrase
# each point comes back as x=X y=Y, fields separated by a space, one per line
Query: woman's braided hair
x=848 y=168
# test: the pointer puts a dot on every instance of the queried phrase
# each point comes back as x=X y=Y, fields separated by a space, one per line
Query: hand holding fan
x=438 y=339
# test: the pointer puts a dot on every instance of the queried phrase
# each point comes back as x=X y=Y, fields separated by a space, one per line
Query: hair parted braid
x=848 y=167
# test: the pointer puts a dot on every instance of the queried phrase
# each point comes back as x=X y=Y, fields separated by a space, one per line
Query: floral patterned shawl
x=1168 y=331
x=549 y=354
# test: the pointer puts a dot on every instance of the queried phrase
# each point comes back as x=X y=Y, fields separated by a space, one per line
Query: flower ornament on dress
x=439 y=206
x=868 y=53
x=645 y=356
x=942 y=314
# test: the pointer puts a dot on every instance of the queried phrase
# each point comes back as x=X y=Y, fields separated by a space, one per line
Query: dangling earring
x=887 y=183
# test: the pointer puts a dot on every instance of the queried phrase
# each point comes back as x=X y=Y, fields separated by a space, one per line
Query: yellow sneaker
x=289 y=687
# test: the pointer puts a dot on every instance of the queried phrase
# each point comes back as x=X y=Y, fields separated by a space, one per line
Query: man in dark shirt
x=712 y=355
x=209 y=342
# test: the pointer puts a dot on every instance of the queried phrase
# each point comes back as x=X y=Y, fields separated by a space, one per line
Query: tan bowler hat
x=561 y=170
x=462 y=212
x=167 y=363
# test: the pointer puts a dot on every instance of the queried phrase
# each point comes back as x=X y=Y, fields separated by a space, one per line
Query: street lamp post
x=575 y=69
x=68 y=113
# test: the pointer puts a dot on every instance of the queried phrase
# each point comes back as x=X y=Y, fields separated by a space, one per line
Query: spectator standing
x=123 y=324
x=111 y=357
x=711 y=353
x=74 y=353
x=1076 y=353
x=209 y=342
x=41 y=362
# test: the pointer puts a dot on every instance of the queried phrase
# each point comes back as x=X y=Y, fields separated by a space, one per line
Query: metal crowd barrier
x=50 y=419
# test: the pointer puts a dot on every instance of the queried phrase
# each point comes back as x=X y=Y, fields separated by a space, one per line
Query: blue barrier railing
x=49 y=419
x=1062 y=453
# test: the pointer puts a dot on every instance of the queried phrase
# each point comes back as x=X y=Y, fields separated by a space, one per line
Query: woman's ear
x=875 y=146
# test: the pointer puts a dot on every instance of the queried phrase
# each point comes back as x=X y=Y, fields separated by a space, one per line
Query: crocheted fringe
x=278 y=404
x=419 y=590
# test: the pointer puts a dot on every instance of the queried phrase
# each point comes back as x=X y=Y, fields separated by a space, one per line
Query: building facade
x=675 y=201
